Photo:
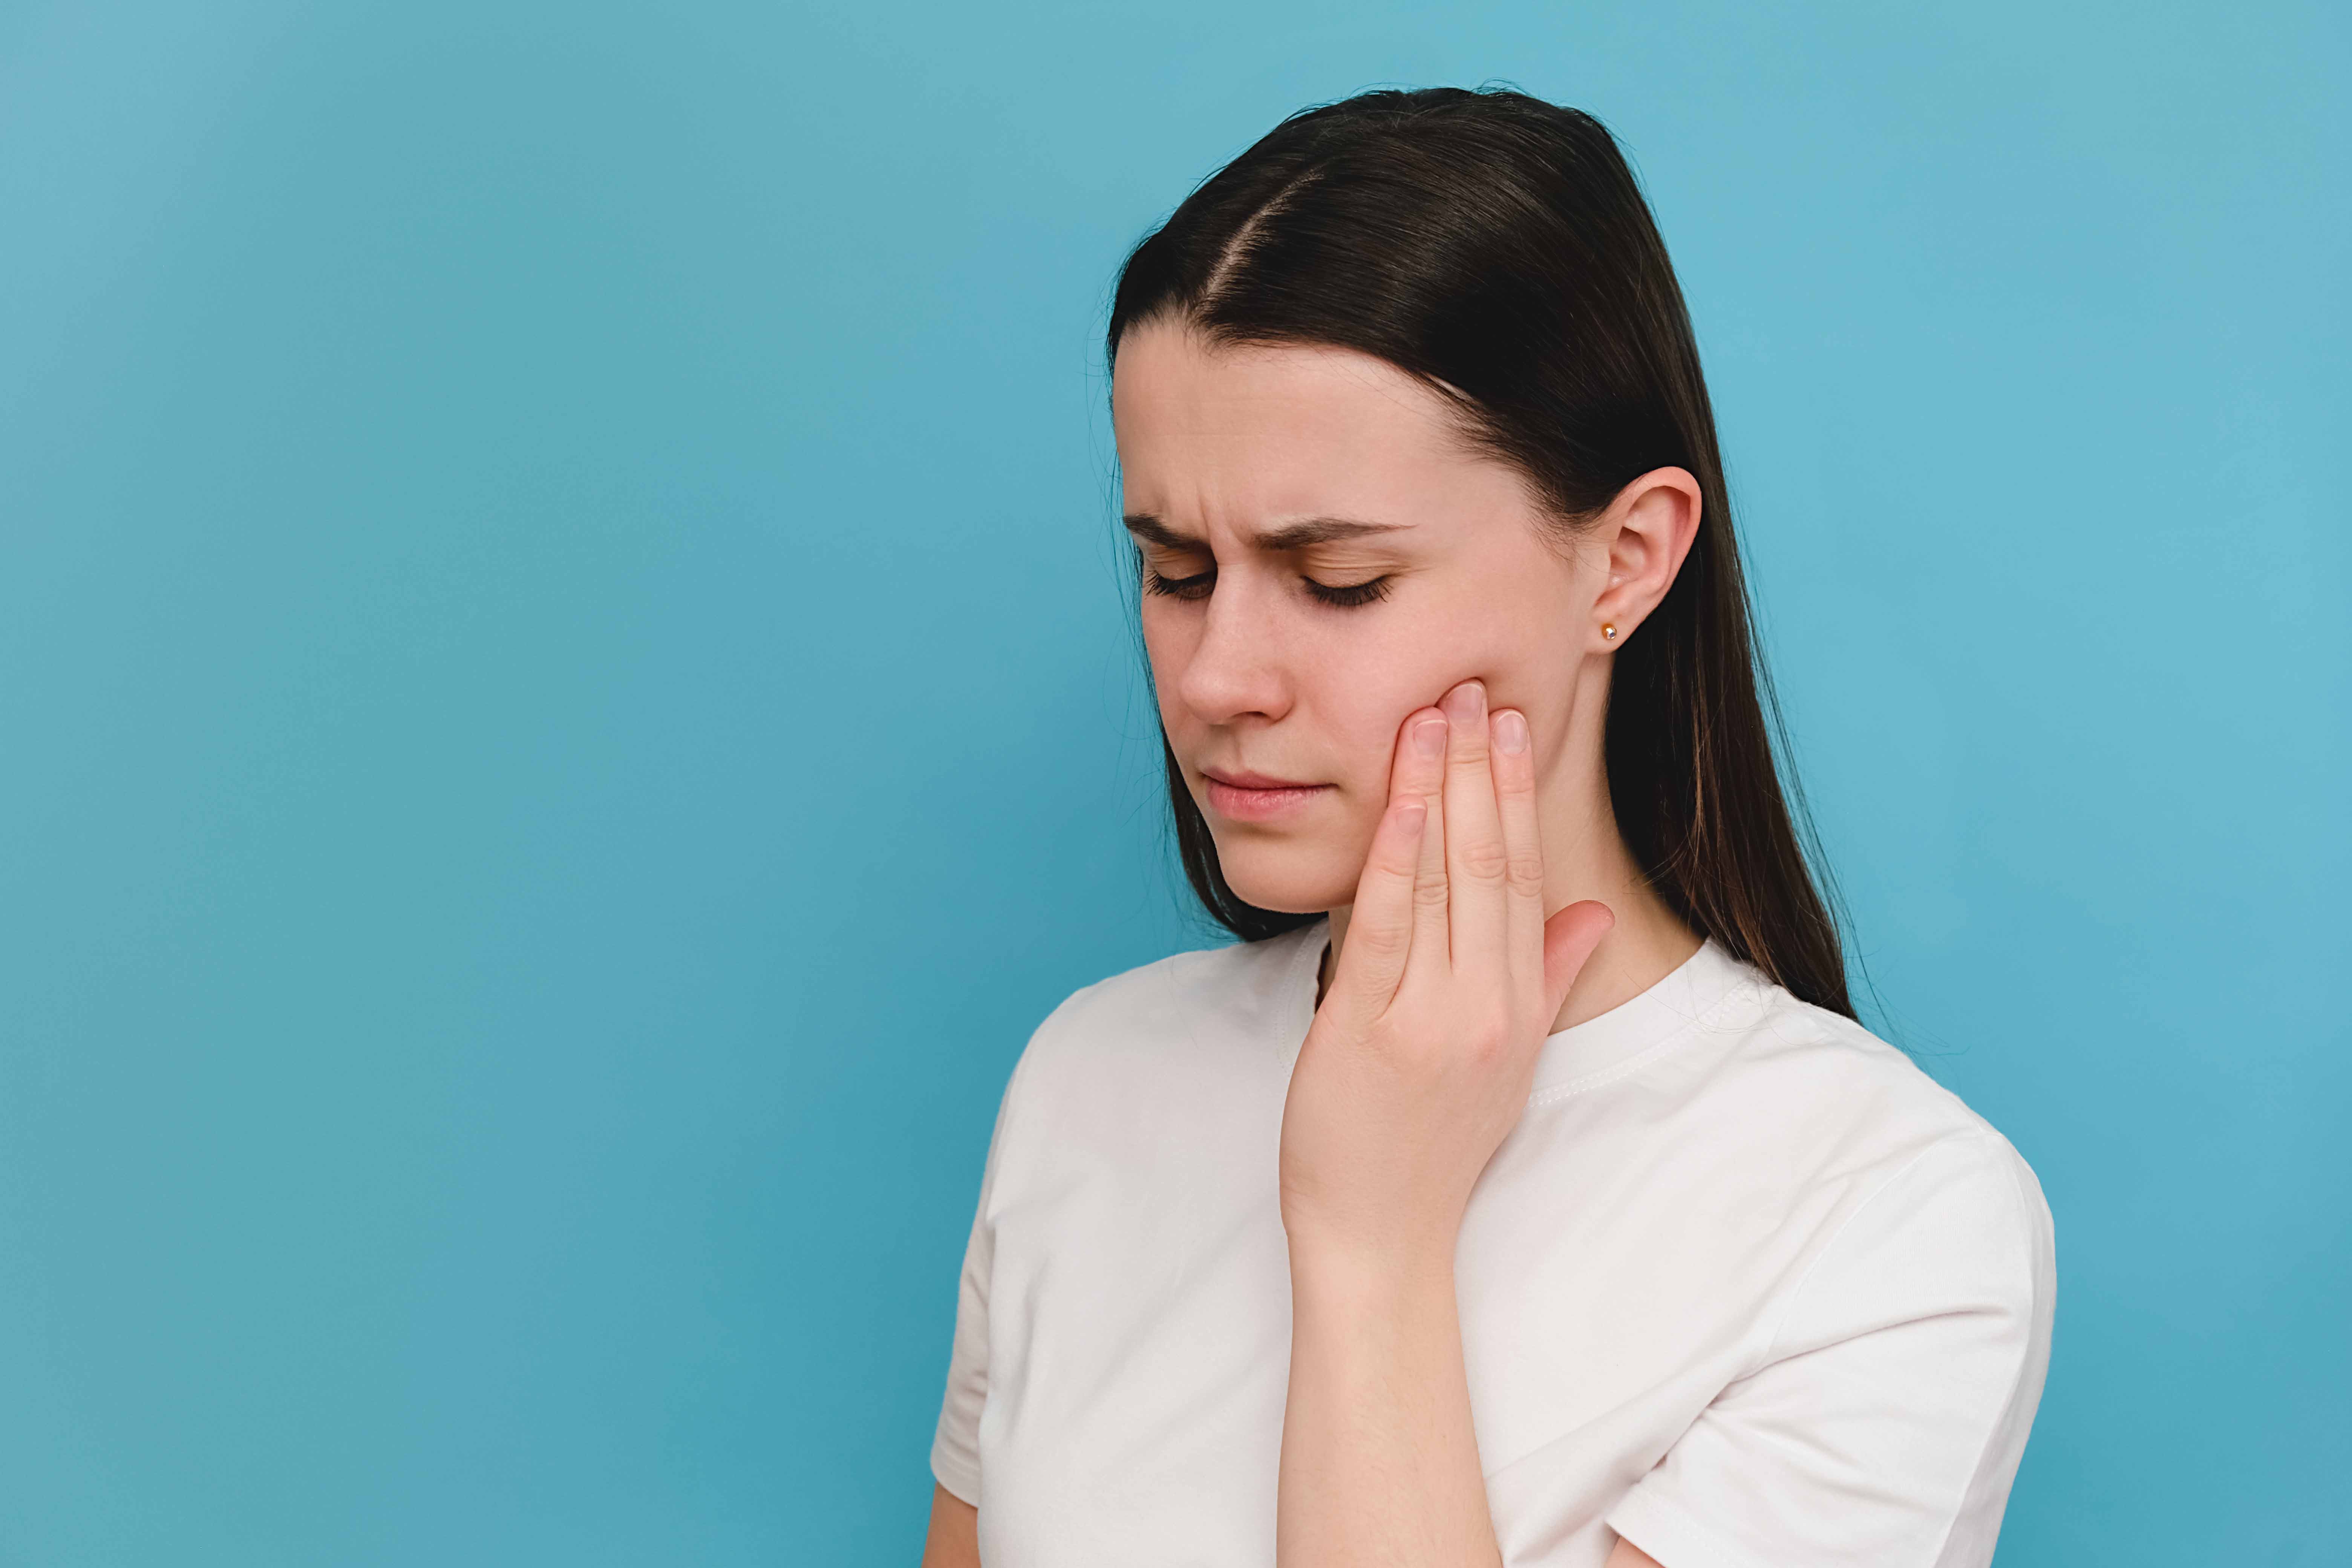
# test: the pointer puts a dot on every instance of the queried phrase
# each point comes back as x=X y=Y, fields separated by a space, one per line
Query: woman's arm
x=1415 y=1069
x=1378 y=1461
x=954 y=1538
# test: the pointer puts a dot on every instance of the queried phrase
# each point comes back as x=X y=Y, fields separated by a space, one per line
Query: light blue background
x=564 y=708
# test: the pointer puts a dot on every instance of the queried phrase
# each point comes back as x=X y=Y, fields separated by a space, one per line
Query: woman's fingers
x=1389 y=909
x=1380 y=926
x=1420 y=767
x=1475 y=861
x=1523 y=877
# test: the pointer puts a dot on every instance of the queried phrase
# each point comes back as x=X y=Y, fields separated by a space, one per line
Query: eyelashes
x=1343 y=595
x=1347 y=595
x=1196 y=586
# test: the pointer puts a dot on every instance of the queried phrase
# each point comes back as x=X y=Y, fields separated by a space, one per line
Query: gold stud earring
x=1608 y=632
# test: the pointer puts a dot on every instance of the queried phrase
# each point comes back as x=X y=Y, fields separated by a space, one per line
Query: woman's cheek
x=1375 y=720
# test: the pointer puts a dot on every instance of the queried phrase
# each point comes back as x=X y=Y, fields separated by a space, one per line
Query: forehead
x=1259 y=432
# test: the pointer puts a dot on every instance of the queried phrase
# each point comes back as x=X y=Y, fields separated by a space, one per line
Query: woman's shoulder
x=1914 y=1197
x=1850 y=1104
x=1190 y=1011
x=1226 y=988
x=1812 y=1043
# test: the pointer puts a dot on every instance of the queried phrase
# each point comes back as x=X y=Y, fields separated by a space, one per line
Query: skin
x=1453 y=820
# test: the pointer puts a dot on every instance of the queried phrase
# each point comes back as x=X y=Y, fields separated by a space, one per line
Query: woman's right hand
x=1448 y=977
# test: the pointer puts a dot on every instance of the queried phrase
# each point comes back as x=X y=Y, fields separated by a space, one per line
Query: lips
x=1242 y=778
x=1247 y=796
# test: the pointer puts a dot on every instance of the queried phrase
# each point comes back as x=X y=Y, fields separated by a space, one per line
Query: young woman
x=1521 y=1187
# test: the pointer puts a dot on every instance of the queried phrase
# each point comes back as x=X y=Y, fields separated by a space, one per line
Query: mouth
x=1246 y=797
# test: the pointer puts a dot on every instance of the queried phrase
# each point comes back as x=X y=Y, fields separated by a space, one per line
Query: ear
x=1646 y=531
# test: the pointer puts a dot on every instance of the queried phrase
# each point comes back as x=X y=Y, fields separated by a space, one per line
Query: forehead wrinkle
x=1282 y=538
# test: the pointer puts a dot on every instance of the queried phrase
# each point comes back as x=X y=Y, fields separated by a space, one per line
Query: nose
x=1235 y=670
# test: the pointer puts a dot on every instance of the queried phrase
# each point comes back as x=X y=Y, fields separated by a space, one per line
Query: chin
x=1289 y=879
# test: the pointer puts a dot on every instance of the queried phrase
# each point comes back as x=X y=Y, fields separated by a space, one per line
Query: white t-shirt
x=1745 y=1286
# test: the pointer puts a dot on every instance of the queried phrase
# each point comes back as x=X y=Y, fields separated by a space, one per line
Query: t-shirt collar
x=1582 y=1055
x=1585 y=1055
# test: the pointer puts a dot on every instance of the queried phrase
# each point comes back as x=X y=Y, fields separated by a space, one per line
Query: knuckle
x=1430 y=893
x=1485 y=860
x=1489 y=1040
x=1527 y=870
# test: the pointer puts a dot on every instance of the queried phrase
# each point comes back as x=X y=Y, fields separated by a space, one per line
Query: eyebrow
x=1297 y=535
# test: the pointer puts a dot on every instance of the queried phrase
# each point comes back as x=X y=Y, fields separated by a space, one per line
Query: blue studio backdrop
x=565 y=708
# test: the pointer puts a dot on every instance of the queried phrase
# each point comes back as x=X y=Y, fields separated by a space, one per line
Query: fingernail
x=1429 y=737
x=1511 y=731
x=1464 y=702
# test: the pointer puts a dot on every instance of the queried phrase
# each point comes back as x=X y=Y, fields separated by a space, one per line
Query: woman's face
x=1325 y=553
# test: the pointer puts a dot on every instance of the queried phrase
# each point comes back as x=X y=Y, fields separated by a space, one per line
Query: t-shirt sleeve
x=1885 y=1423
x=955 y=1444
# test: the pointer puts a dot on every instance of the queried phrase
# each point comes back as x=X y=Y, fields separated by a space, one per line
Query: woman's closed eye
x=1344 y=596
x=1349 y=595
x=1195 y=586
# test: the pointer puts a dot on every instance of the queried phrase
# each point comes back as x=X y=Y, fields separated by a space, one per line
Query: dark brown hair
x=1497 y=248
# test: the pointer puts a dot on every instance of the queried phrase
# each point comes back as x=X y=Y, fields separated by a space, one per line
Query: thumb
x=1570 y=937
